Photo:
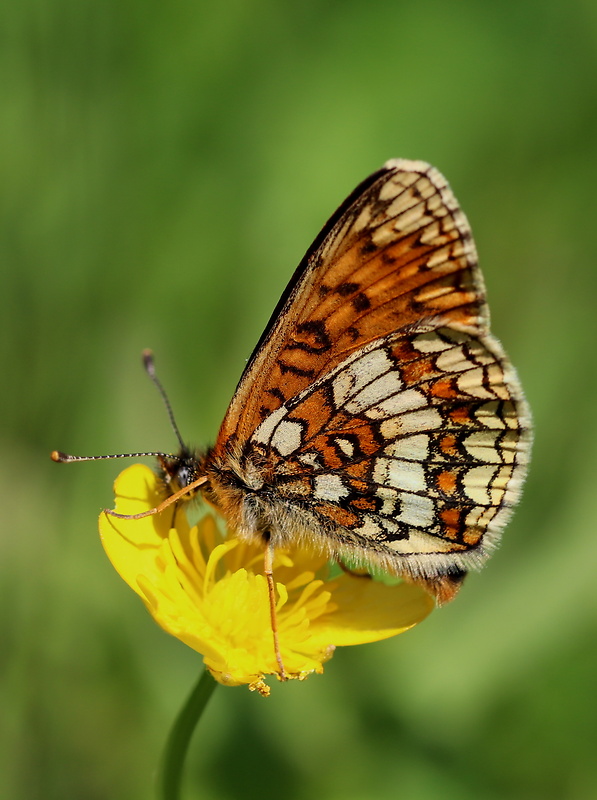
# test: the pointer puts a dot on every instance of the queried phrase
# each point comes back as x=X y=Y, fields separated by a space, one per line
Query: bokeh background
x=163 y=168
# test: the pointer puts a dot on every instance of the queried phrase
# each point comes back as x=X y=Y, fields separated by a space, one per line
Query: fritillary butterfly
x=377 y=416
x=377 y=419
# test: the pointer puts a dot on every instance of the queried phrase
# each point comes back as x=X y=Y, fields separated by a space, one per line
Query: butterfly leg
x=172 y=499
x=268 y=561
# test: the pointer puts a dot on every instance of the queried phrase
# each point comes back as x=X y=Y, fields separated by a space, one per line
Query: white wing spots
x=412 y=219
x=429 y=293
x=510 y=416
x=489 y=416
x=346 y=446
x=377 y=390
x=420 y=542
x=416 y=510
x=288 y=437
x=476 y=481
x=311 y=459
x=389 y=498
x=369 y=528
x=413 y=448
x=419 y=457
x=509 y=447
x=397 y=184
x=487 y=487
x=435 y=203
x=461 y=355
x=482 y=446
x=453 y=360
x=399 y=403
x=378 y=528
x=363 y=220
x=329 y=487
x=428 y=419
x=437 y=234
x=471 y=383
x=499 y=484
x=430 y=342
x=352 y=378
x=429 y=192
x=483 y=382
x=405 y=200
x=479 y=516
x=384 y=235
x=440 y=256
x=481 y=354
x=448 y=225
x=406 y=475
x=495 y=375
x=264 y=432
x=431 y=234
x=389 y=526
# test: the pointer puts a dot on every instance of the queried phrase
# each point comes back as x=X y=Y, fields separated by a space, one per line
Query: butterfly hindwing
x=413 y=447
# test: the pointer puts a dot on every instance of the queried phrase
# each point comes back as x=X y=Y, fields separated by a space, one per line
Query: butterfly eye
x=180 y=472
x=185 y=475
x=182 y=476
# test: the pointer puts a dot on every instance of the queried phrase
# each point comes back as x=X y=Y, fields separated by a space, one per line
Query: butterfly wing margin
x=398 y=250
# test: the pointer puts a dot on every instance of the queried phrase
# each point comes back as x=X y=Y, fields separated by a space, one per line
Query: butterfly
x=377 y=419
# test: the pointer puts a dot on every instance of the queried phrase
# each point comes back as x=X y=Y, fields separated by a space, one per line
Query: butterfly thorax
x=240 y=486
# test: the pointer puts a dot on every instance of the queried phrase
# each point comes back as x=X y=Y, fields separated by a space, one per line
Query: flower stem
x=170 y=770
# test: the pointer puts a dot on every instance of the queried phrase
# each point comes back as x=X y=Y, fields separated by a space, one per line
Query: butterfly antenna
x=65 y=458
x=150 y=369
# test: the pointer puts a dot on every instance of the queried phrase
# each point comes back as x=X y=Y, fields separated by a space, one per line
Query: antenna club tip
x=147 y=357
x=60 y=458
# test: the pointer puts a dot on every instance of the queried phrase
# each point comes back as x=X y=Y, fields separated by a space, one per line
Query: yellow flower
x=210 y=592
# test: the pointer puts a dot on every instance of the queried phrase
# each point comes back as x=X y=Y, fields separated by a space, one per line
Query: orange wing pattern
x=407 y=454
x=398 y=251
x=377 y=416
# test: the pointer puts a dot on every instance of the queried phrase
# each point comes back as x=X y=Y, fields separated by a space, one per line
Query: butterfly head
x=181 y=470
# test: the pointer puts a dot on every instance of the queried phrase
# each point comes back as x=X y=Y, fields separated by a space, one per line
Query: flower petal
x=211 y=593
x=132 y=544
x=368 y=611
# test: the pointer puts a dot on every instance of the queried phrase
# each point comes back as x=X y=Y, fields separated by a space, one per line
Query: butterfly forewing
x=397 y=252
x=377 y=416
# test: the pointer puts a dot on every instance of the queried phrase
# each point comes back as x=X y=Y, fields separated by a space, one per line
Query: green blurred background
x=163 y=168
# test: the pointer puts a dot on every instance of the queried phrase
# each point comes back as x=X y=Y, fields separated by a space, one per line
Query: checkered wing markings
x=411 y=444
x=399 y=250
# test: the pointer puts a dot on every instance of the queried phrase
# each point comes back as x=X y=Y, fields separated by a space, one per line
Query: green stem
x=170 y=771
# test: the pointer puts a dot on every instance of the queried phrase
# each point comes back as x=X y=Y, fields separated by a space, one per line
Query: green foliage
x=163 y=167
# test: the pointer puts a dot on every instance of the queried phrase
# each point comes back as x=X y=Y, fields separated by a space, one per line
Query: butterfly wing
x=397 y=251
x=377 y=416
x=410 y=453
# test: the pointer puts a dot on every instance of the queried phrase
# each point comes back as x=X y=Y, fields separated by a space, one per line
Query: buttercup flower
x=209 y=591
